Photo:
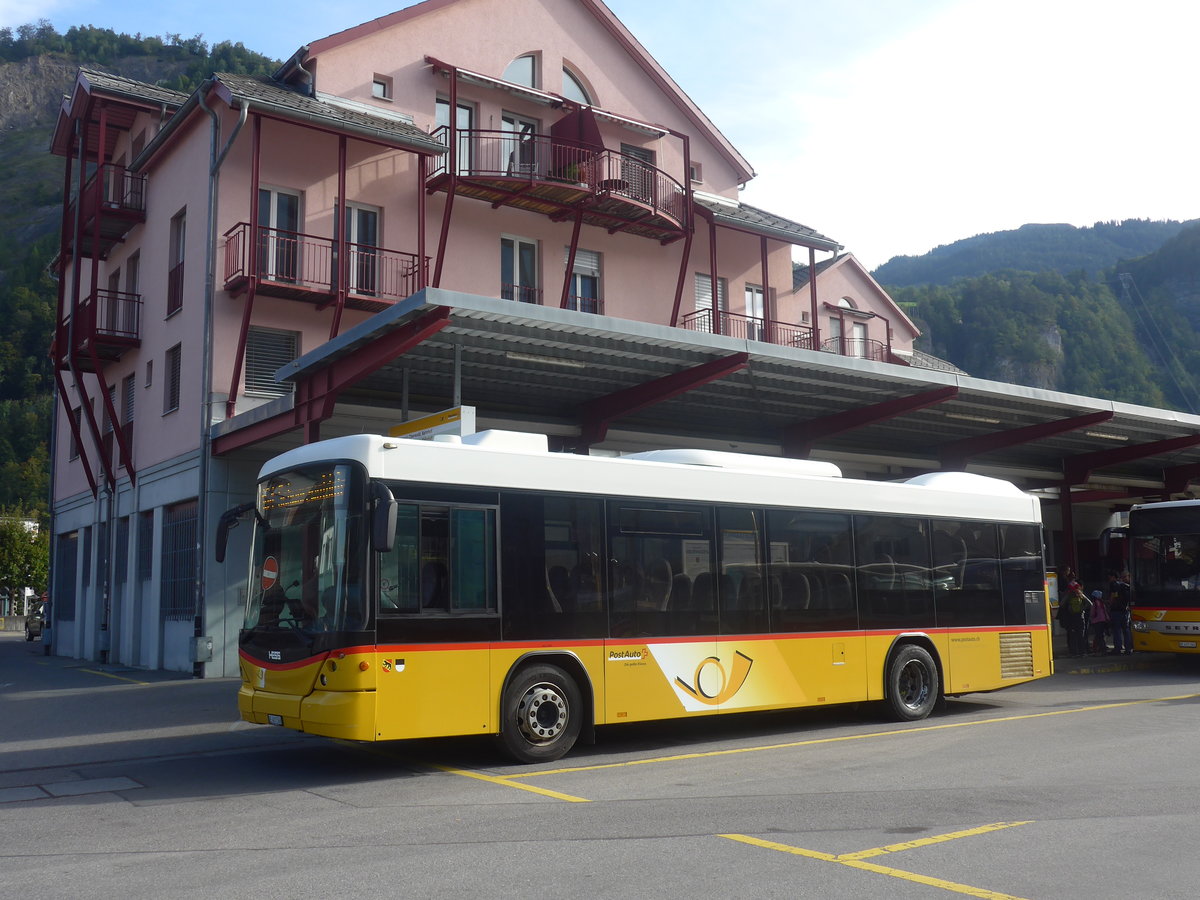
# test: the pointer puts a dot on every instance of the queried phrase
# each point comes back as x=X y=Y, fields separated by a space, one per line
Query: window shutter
x=704 y=292
x=266 y=352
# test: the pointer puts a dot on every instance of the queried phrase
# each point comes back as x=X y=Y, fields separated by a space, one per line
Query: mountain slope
x=1031 y=248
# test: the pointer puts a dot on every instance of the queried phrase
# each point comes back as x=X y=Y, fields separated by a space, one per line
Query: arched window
x=573 y=89
x=523 y=70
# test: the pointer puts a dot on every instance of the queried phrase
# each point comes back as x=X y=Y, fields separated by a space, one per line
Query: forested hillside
x=1031 y=248
x=37 y=67
x=1044 y=330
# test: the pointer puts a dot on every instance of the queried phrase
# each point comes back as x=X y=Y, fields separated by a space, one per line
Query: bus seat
x=681 y=592
x=433 y=586
x=658 y=583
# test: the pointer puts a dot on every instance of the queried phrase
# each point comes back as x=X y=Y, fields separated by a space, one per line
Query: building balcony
x=542 y=174
x=785 y=334
x=751 y=328
x=305 y=267
x=859 y=348
x=107 y=324
x=114 y=200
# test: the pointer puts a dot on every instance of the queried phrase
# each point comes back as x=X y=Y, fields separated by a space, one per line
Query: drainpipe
x=216 y=157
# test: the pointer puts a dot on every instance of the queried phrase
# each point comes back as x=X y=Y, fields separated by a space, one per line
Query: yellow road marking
x=925 y=842
x=505 y=781
x=847 y=737
x=852 y=862
x=115 y=677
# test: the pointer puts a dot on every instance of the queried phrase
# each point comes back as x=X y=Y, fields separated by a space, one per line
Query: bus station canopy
x=606 y=383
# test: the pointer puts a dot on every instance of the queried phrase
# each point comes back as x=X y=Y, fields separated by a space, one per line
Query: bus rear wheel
x=541 y=714
x=912 y=683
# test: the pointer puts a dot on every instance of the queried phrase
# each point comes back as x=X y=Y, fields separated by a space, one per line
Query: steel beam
x=596 y=415
x=1077 y=469
x=798 y=439
x=956 y=454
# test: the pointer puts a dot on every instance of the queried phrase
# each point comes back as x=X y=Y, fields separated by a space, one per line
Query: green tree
x=24 y=556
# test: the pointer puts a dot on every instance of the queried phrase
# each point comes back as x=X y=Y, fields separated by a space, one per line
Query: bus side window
x=398 y=570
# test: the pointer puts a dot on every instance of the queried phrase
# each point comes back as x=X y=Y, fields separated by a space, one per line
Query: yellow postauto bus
x=483 y=585
x=1164 y=568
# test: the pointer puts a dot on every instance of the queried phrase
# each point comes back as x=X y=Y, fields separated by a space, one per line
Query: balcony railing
x=109 y=315
x=121 y=189
x=521 y=293
x=585 y=304
x=542 y=159
x=860 y=348
x=751 y=328
x=308 y=262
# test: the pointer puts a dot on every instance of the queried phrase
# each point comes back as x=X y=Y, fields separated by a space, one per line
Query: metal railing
x=109 y=314
x=751 y=328
x=120 y=188
x=859 y=348
x=484 y=153
x=521 y=293
x=308 y=261
x=585 y=304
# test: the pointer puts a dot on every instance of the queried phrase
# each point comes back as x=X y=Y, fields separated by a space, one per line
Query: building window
x=279 y=235
x=523 y=70
x=521 y=153
x=66 y=552
x=128 y=394
x=175 y=262
x=381 y=87
x=174 y=372
x=696 y=173
x=519 y=270
x=179 y=561
x=121 y=563
x=73 y=446
x=145 y=548
x=106 y=422
x=755 y=313
x=463 y=123
x=268 y=350
x=149 y=372
x=584 y=291
x=573 y=89
x=362 y=236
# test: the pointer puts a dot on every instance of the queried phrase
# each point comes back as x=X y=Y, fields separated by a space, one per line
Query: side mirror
x=229 y=520
x=383 y=517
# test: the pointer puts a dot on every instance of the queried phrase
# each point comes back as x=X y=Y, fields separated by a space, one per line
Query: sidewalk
x=1091 y=665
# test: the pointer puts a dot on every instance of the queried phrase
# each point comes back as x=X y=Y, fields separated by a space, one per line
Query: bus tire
x=541 y=714
x=912 y=684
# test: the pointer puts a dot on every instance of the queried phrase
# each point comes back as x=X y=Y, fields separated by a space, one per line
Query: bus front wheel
x=542 y=714
x=912 y=683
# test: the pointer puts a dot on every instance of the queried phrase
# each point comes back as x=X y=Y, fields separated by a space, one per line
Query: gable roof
x=272 y=98
x=130 y=96
x=623 y=36
x=744 y=217
x=849 y=260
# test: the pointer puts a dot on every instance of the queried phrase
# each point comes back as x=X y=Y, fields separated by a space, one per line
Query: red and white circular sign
x=270 y=572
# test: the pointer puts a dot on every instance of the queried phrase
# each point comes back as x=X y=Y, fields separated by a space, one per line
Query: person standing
x=1119 y=613
x=1100 y=623
x=1079 y=609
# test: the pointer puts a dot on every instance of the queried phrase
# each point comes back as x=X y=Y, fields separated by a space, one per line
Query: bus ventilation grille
x=1016 y=655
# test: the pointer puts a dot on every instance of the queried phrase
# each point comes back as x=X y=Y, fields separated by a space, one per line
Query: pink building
x=536 y=157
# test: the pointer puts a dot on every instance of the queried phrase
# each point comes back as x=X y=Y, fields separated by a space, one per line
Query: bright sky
x=891 y=127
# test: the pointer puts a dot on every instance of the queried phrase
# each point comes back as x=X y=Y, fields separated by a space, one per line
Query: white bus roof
x=502 y=460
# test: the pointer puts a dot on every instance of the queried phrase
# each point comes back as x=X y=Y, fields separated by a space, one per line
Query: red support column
x=342 y=224
x=252 y=280
x=812 y=296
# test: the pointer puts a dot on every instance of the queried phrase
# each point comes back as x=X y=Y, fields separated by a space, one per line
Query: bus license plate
x=274 y=719
x=1190 y=645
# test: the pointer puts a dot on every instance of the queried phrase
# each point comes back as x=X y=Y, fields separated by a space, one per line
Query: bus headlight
x=1140 y=626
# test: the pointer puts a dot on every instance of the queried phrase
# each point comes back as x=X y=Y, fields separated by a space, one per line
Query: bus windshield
x=1165 y=556
x=306 y=562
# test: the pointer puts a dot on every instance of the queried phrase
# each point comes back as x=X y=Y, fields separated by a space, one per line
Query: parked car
x=35 y=620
